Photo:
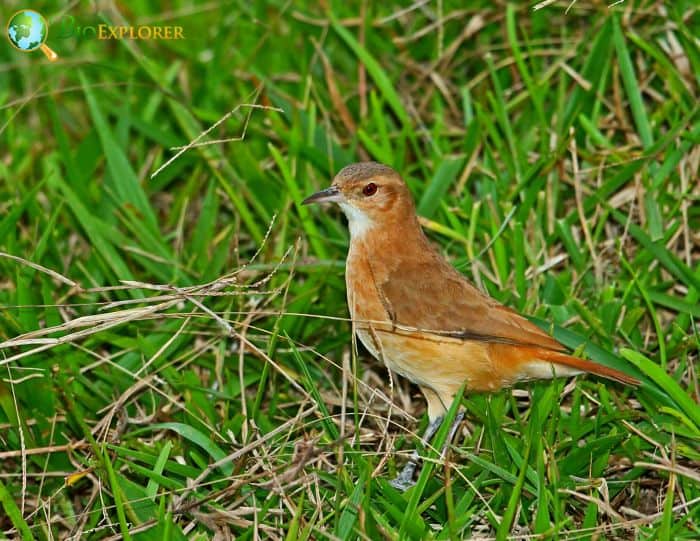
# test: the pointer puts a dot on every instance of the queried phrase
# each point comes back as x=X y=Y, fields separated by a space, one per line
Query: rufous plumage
x=416 y=313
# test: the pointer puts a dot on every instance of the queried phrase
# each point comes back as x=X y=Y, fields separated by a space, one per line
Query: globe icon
x=27 y=30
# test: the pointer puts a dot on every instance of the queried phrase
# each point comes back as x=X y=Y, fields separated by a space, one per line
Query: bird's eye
x=369 y=189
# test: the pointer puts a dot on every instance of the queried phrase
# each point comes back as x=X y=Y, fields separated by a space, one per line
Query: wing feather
x=452 y=306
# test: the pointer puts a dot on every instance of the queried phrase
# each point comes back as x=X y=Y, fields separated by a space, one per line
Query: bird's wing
x=431 y=295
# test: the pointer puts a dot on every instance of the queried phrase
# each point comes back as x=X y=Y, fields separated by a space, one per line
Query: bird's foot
x=404 y=480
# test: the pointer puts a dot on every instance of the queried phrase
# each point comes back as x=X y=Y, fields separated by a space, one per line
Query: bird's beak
x=329 y=195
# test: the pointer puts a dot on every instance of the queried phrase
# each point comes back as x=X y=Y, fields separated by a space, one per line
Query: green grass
x=175 y=356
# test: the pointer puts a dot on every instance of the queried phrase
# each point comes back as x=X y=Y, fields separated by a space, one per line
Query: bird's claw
x=404 y=480
x=402 y=484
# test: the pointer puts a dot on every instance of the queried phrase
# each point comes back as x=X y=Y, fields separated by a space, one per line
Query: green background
x=175 y=356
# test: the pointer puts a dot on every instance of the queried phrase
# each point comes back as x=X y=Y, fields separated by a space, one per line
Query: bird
x=413 y=311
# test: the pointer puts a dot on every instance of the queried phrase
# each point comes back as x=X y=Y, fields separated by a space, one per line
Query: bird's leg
x=404 y=480
x=453 y=431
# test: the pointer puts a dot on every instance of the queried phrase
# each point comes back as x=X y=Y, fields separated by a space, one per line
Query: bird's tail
x=562 y=359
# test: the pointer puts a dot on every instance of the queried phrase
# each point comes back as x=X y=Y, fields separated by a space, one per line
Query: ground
x=175 y=353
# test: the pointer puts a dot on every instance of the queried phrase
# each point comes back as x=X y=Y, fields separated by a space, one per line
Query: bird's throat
x=387 y=243
x=359 y=222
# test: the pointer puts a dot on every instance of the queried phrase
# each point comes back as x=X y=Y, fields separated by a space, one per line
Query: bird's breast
x=372 y=320
x=364 y=301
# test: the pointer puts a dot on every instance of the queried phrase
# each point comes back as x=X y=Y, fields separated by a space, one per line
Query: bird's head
x=370 y=194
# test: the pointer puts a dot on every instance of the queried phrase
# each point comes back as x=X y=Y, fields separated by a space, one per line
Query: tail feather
x=585 y=366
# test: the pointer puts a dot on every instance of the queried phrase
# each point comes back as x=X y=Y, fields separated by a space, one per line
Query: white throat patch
x=358 y=222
